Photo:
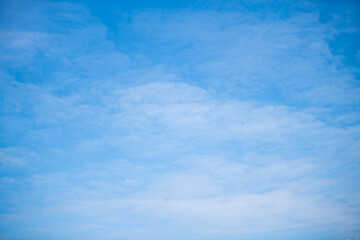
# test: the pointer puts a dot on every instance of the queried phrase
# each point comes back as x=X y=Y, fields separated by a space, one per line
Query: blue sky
x=231 y=120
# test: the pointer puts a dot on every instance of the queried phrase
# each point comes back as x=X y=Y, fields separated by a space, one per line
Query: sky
x=182 y=120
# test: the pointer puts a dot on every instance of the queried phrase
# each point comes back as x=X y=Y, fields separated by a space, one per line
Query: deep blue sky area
x=157 y=120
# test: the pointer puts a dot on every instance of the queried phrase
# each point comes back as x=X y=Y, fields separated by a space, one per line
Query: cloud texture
x=218 y=121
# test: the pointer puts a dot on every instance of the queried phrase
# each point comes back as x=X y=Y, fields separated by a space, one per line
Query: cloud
x=251 y=56
x=204 y=163
x=212 y=124
x=15 y=157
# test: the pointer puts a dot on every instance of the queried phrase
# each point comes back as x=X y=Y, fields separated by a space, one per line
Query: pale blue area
x=179 y=120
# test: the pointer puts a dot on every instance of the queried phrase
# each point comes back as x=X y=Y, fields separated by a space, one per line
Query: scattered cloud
x=176 y=123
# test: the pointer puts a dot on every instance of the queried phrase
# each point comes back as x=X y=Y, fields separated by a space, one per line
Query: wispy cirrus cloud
x=231 y=166
x=183 y=124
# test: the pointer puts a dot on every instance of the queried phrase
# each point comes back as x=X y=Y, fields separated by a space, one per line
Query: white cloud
x=242 y=54
x=15 y=157
x=196 y=139
x=226 y=165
